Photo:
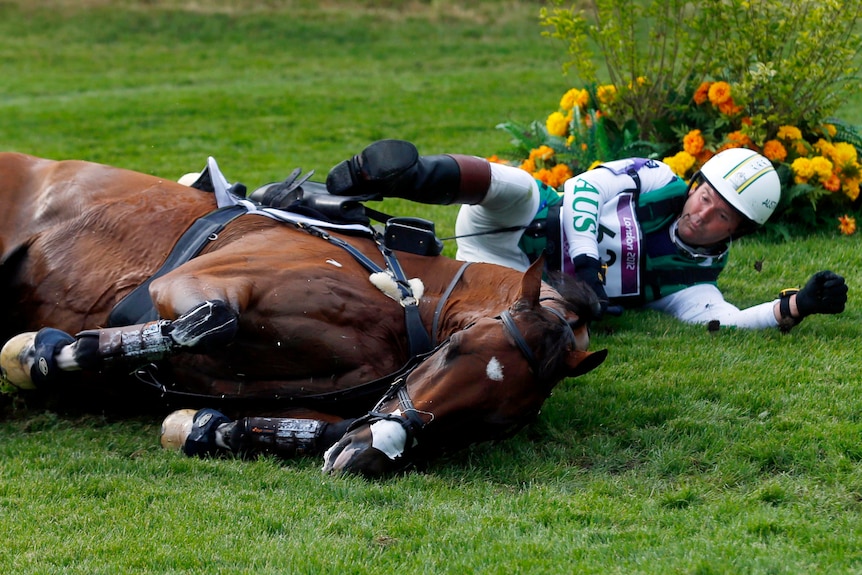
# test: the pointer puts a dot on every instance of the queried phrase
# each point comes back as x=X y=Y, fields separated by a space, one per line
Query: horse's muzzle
x=371 y=450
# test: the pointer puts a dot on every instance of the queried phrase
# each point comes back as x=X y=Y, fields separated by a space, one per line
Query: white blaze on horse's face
x=494 y=370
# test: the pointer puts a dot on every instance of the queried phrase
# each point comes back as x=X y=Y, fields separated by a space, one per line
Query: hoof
x=17 y=358
x=193 y=432
x=176 y=429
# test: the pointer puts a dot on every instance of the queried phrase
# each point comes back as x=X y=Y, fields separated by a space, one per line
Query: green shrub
x=690 y=79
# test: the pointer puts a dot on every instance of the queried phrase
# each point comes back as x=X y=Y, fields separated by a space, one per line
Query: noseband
x=409 y=417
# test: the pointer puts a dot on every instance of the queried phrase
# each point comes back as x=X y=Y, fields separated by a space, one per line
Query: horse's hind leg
x=30 y=359
x=208 y=432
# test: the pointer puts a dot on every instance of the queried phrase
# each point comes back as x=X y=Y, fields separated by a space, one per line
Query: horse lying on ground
x=275 y=323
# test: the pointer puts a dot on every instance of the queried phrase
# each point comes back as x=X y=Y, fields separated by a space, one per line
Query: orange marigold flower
x=495 y=159
x=729 y=108
x=719 y=93
x=701 y=95
x=704 y=157
x=774 y=151
x=847 y=225
x=739 y=140
x=693 y=142
x=562 y=172
x=551 y=177
x=528 y=165
x=832 y=183
x=543 y=153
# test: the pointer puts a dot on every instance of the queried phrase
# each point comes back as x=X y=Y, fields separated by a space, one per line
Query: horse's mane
x=556 y=337
x=577 y=295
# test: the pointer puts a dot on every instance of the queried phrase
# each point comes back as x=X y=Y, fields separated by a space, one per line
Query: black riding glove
x=590 y=271
x=825 y=292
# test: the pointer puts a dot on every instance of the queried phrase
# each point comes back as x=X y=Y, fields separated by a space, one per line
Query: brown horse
x=271 y=318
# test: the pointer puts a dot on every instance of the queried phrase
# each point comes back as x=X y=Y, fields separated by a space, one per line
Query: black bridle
x=410 y=418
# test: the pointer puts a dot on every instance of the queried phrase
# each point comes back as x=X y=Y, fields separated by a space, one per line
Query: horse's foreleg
x=207 y=327
x=209 y=432
x=33 y=359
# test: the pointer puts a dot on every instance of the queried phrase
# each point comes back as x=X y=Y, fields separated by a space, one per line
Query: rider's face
x=707 y=218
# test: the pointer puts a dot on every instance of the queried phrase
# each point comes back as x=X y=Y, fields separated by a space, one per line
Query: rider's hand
x=825 y=292
x=589 y=270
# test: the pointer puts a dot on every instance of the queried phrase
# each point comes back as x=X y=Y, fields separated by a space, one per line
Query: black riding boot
x=394 y=168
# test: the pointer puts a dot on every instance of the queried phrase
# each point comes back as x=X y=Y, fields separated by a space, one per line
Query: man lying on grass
x=633 y=230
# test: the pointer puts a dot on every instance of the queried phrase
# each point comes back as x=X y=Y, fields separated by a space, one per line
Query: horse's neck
x=483 y=290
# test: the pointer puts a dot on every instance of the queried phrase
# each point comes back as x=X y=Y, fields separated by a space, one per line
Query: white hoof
x=176 y=428
x=16 y=359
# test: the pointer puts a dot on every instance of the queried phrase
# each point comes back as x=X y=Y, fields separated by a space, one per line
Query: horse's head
x=485 y=382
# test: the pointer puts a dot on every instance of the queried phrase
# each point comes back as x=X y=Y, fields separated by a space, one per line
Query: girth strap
x=137 y=307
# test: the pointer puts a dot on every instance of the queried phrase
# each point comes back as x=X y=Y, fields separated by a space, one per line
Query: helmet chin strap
x=697 y=253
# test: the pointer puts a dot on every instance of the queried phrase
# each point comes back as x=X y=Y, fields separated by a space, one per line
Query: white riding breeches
x=512 y=201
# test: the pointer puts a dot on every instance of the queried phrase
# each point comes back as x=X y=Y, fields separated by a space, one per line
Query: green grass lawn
x=686 y=452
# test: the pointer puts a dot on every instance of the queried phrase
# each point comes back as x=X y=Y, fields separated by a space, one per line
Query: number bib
x=620 y=244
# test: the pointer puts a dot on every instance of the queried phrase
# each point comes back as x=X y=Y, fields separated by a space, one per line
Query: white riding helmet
x=746 y=180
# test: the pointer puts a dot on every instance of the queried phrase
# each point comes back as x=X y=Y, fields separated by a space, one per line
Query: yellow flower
x=543 y=153
x=847 y=225
x=570 y=98
x=851 y=188
x=774 y=151
x=830 y=129
x=825 y=148
x=680 y=163
x=802 y=170
x=557 y=124
x=719 y=93
x=606 y=93
x=822 y=167
x=693 y=142
x=843 y=153
x=575 y=97
x=789 y=133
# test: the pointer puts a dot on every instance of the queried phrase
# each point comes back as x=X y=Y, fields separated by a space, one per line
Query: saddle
x=296 y=194
x=300 y=195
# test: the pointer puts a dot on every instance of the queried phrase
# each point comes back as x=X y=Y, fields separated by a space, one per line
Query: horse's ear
x=531 y=283
x=581 y=362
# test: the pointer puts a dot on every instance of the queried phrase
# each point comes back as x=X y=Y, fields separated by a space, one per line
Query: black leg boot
x=282 y=437
x=394 y=168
